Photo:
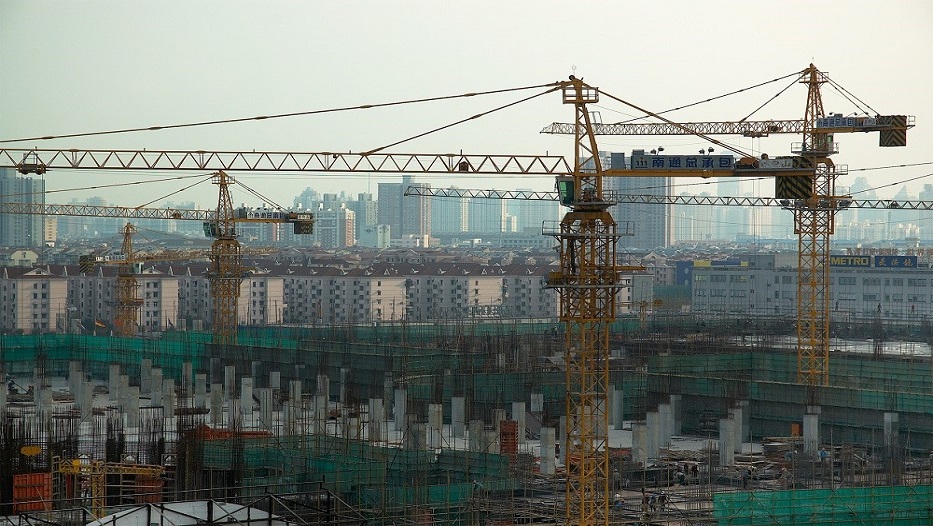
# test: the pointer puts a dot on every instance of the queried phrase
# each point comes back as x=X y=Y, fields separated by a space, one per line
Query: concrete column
x=234 y=417
x=113 y=381
x=411 y=432
x=351 y=426
x=157 y=387
x=435 y=426
x=401 y=403
x=726 y=442
x=376 y=419
x=618 y=410
x=145 y=376
x=666 y=425
x=891 y=430
x=187 y=377
x=640 y=443
x=132 y=406
x=476 y=435
x=200 y=390
x=255 y=371
x=124 y=389
x=216 y=371
x=677 y=414
x=229 y=383
x=293 y=408
x=46 y=402
x=294 y=391
x=323 y=386
x=457 y=416
x=491 y=441
x=811 y=431
x=746 y=420
x=736 y=414
x=562 y=432
x=3 y=393
x=344 y=384
x=653 y=421
x=265 y=408
x=73 y=367
x=155 y=398
x=518 y=414
x=547 y=465
x=387 y=390
x=86 y=401
x=275 y=380
x=537 y=403
x=217 y=404
x=498 y=415
x=246 y=396
x=321 y=414
x=168 y=397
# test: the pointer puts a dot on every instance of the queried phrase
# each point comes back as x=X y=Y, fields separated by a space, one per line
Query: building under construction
x=460 y=424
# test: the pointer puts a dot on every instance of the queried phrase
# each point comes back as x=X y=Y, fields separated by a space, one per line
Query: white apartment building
x=178 y=297
x=32 y=301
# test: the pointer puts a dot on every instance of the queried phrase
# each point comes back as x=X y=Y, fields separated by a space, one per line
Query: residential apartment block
x=60 y=298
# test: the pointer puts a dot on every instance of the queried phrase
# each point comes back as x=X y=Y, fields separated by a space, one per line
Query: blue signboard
x=683 y=271
x=683 y=162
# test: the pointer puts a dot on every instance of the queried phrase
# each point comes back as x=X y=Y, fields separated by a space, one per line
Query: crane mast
x=226 y=272
x=587 y=282
x=814 y=224
x=127 y=288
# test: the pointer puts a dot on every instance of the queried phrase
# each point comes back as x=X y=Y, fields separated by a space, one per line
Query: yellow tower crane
x=226 y=272
x=810 y=193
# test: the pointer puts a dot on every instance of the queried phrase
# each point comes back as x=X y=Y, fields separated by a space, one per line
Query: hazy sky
x=87 y=66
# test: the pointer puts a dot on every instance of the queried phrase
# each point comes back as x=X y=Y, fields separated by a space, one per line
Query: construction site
x=588 y=418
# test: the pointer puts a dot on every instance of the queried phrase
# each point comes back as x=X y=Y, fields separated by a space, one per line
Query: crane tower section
x=588 y=282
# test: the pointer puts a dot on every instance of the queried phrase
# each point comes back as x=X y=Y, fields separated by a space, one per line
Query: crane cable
x=776 y=95
x=99 y=186
x=795 y=74
x=277 y=116
x=461 y=121
x=681 y=126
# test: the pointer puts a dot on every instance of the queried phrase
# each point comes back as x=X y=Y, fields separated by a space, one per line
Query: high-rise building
x=17 y=230
x=406 y=216
x=488 y=216
x=366 y=211
x=653 y=225
x=450 y=214
x=532 y=215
